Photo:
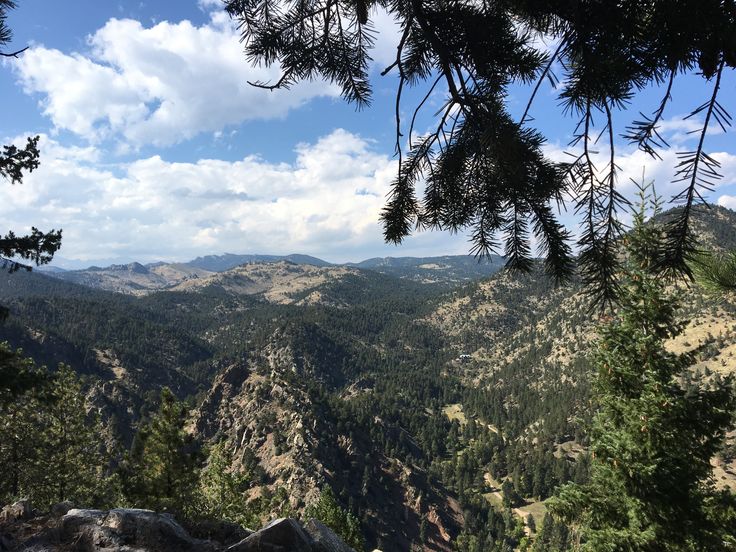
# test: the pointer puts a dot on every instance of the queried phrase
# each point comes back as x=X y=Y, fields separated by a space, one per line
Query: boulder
x=74 y=519
x=133 y=530
x=85 y=529
x=61 y=509
x=281 y=535
x=150 y=530
x=18 y=511
x=324 y=539
x=128 y=529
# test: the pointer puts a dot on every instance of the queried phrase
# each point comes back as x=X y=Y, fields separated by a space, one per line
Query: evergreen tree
x=18 y=374
x=38 y=247
x=19 y=424
x=511 y=498
x=50 y=449
x=130 y=473
x=72 y=461
x=423 y=528
x=161 y=471
x=651 y=485
x=223 y=490
x=343 y=523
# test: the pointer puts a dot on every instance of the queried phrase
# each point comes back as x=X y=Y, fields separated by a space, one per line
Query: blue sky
x=155 y=147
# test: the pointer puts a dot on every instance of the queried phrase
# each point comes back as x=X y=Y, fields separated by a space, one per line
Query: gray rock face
x=323 y=539
x=128 y=529
x=131 y=530
x=61 y=509
x=223 y=532
x=281 y=535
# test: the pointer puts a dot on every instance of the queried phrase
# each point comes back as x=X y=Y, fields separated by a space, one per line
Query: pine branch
x=14 y=54
x=716 y=273
x=541 y=78
x=38 y=247
x=644 y=132
x=419 y=107
x=518 y=253
x=700 y=171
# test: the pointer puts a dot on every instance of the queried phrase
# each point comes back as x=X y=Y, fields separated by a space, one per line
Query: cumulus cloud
x=387 y=37
x=633 y=164
x=727 y=201
x=156 y=85
x=325 y=202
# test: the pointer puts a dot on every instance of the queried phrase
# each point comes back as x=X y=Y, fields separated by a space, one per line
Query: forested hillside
x=438 y=419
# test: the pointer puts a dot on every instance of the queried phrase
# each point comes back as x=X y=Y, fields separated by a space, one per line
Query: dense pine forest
x=459 y=412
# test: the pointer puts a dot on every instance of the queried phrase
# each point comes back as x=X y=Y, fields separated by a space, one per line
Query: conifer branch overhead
x=715 y=272
x=478 y=164
x=13 y=54
x=701 y=172
x=545 y=74
x=644 y=132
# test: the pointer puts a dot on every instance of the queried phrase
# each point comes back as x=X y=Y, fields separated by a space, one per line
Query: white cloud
x=388 y=34
x=727 y=201
x=156 y=85
x=678 y=130
x=326 y=202
x=633 y=164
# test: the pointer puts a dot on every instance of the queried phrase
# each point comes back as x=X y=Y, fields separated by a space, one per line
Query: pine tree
x=19 y=422
x=328 y=511
x=38 y=247
x=161 y=471
x=72 y=463
x=130 y=473
x=651 y=485
x=18 y=374
x=483 y=170
x=223 y=489
x=50 y=448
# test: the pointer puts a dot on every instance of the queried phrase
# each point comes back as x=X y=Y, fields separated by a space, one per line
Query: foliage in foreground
x=37 y=247
x=327 y=510
x=50 y=448
x=161 y=471
x=657 y=427
x=716 y=272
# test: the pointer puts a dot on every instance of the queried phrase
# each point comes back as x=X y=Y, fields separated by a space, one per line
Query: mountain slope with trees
x=458 y=413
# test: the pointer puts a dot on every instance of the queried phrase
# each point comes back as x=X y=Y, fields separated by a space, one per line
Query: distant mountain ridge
x=136 y=278
x=133 y=278
x=220 y=263
x=442 y=269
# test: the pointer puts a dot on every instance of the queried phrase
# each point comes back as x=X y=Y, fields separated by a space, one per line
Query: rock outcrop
x=133 y=530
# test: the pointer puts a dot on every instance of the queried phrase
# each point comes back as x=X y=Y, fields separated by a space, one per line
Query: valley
x=313 y=375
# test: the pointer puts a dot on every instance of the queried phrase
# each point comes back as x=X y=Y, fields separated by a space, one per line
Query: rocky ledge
x=130 y=530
